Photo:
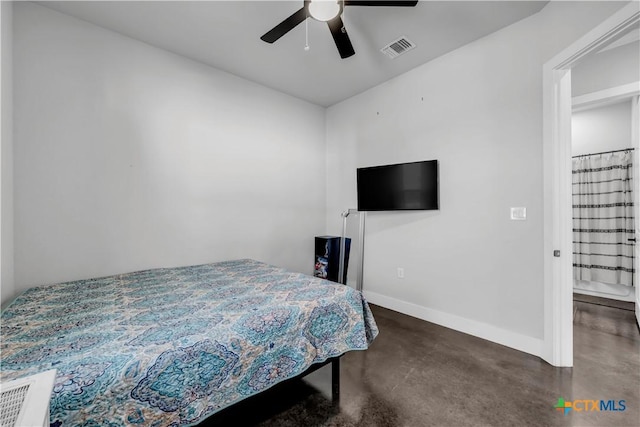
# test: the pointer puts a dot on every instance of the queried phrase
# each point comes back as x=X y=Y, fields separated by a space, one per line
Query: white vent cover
x=25 y=401
x=398 y=47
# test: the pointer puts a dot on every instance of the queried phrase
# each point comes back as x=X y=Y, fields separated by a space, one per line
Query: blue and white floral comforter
x=173 y=346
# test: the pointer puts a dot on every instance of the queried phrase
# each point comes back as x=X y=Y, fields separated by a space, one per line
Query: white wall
x=601 y=129
x=7 y=288
x=478 y=110
x=607 y=69
x=130 y=157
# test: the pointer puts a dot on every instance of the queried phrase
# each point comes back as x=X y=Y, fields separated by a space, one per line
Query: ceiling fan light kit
x=329 y=11
x=325 y=10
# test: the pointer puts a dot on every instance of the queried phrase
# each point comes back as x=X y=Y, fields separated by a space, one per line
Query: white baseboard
x=481 y=330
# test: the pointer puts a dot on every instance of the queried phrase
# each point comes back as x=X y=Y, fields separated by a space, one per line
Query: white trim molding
x=557 y=106
x=478 y=329
x=605 y=97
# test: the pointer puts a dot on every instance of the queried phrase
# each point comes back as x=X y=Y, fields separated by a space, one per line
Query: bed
x=173 y=346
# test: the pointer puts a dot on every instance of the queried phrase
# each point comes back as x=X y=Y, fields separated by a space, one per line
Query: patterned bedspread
x=173 y=346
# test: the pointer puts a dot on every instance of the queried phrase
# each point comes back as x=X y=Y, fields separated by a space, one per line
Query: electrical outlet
x=400 y=273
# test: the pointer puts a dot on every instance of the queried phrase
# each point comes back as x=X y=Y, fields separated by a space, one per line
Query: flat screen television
x=403 y=186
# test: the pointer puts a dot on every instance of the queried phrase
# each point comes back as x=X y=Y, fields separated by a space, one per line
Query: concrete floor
x=420 y=374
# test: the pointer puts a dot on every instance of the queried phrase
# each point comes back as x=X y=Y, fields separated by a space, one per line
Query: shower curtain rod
x=604 y=152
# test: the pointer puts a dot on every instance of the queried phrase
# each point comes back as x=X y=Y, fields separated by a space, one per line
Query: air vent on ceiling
x=398 y=47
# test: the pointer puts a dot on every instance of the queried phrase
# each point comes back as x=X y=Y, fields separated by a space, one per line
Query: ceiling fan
x=329 y=11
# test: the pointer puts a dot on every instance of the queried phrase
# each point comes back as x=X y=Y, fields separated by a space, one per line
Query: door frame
x=606 y=97
x=557 y=105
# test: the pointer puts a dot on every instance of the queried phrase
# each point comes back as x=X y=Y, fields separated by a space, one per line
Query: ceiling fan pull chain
x=306 y=35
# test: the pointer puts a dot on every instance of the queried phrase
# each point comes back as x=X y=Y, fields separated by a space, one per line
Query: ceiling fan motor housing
x=324 y=10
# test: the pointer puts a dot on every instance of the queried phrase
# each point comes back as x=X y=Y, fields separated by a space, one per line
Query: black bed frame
x=229 y=415
x=335 y=376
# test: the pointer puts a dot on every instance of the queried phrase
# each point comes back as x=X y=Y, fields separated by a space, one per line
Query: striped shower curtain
x=603 y=218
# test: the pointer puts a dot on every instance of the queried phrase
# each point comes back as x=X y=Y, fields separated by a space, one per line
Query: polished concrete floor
x=420 y=374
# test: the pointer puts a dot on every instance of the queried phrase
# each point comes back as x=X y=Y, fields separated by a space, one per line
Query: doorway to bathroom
x=558 y=218
x=604 y=190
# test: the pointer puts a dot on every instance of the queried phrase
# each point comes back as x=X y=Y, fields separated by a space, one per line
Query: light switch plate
x=518 y=214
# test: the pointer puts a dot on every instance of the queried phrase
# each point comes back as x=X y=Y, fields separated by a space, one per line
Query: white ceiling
x=226 y=35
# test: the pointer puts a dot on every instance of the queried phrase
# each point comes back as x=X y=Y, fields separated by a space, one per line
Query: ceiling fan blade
x=340 y=36
x=404 y=3
x=380 y=3
x=285 y=26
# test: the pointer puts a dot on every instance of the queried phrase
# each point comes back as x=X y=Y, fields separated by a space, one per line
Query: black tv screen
x=404 y=186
